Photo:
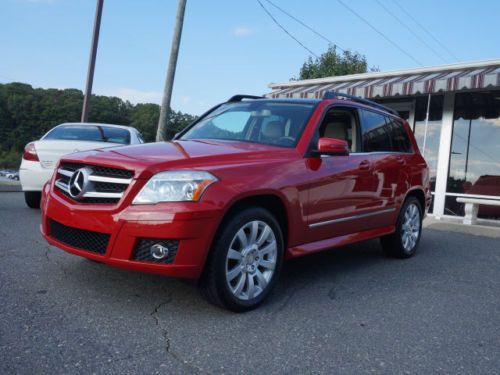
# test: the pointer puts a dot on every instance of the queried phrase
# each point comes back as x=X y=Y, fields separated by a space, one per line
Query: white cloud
x=242 y=31
x=134 y=96
x=185 y=99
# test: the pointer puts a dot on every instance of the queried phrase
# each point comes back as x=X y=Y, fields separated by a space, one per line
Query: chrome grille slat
x=98 y=194
x=104 y=185
x=65 y=172
x=111 y=180
x=62 y=185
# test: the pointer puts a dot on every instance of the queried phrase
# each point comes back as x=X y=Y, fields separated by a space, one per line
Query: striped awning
x=479 y=75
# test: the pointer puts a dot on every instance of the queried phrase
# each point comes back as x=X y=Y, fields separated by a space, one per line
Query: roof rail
x=334 y=94
x=239 y=98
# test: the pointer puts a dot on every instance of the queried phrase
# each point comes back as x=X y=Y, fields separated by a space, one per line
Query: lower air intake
x=78 y=238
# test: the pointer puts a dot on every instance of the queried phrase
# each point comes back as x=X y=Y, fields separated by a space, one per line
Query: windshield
x=268 y=122
x=90 y=133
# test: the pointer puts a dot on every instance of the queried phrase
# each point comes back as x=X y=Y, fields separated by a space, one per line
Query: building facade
x=454 y=111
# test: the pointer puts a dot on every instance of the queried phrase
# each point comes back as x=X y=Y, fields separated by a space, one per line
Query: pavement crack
x=168 y=342
x=50 y=259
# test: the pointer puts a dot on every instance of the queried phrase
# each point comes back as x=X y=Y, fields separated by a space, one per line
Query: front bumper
x=191 y=223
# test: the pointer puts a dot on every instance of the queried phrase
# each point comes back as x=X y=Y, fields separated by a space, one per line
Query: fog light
x=159 y=251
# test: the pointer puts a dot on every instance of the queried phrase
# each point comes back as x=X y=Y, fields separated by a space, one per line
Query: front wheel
x=404 y=241
x=32 y=198
x=245 y=260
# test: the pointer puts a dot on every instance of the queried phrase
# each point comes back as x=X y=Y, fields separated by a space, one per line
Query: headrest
x=273 y=129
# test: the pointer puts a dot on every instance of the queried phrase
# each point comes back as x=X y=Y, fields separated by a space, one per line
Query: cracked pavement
x=349 y=310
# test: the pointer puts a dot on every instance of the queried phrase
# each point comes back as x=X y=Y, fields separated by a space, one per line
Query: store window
x=428 y=136
x=475 y=152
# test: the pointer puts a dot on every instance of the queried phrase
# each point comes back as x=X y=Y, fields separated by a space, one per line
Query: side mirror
x=332 y=146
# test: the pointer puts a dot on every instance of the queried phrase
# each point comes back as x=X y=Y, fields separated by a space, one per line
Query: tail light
x=30 y=152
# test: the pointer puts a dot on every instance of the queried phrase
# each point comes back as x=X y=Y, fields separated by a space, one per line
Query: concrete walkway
x=452 y=226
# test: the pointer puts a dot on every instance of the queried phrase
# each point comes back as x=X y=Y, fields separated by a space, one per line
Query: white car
x=41 y=157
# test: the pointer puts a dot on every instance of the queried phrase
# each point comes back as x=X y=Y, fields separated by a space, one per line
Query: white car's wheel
x=32 y=198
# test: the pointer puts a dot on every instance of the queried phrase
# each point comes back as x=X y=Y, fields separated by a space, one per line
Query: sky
x=228 y=47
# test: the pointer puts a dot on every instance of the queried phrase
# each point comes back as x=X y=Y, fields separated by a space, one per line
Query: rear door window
x=374 y=132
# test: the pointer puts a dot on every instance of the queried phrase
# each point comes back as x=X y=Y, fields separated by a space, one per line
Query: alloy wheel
x=251 y=260
x=410 y=229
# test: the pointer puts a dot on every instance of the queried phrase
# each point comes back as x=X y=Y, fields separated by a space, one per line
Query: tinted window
x=399 y=137
x=374 y=135
x=90 y=133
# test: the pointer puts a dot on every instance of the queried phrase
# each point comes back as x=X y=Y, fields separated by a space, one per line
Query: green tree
x=331 y=63
x=26 y=114
x=144 y=118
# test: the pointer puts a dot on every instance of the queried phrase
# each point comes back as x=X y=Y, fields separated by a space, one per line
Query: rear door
x=386 y=164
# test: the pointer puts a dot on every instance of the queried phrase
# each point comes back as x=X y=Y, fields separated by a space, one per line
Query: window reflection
x=432 y=136
x=475 y=152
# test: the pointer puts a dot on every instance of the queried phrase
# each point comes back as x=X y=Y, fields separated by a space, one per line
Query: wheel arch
x=267 y=200
x=418 y=193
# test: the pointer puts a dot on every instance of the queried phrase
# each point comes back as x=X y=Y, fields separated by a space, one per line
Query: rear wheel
x=404 y=241
x=245 y=260
x=32 y=198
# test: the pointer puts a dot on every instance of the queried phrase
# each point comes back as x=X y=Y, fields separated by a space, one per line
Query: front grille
x=104 y=185
x=142 y=251
x=99 y=170
x=78 y=238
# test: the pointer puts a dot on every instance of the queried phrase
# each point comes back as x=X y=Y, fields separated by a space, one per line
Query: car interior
x=341 y=124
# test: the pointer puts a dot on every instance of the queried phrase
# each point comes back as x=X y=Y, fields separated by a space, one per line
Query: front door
x=342 y=189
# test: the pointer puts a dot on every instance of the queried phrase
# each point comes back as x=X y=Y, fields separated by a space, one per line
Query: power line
x=411 y=31
x=379 y=32
x=285 y=30
x=305 y=25
x=427 y=31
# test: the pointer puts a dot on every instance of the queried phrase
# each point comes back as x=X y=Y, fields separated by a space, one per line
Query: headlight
x=174 y=186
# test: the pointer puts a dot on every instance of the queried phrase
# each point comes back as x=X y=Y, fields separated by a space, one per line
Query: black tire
x=394 y=245
x=215 y=285
x=33 y=198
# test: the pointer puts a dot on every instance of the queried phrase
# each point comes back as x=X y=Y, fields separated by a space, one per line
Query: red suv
x=252 y=182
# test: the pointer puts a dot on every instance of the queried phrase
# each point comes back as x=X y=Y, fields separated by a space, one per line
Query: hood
x=149 y=158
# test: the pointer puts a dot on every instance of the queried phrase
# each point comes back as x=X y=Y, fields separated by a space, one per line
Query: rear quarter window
x=399 y=137
x=374 y=132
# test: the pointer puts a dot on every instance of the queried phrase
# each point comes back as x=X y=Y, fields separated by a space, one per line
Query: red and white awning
x=456 y=77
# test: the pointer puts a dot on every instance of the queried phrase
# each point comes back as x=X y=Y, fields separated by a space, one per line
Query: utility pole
x=93 y=53
x=161 y=134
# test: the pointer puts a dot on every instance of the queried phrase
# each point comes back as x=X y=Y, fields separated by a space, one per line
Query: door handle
x=364 y=165
x=401 y=161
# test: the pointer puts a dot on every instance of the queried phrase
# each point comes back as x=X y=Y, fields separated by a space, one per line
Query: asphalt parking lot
x=350 y=310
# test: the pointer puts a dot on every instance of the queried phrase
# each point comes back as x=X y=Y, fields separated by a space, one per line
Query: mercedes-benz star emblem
x=78 y=183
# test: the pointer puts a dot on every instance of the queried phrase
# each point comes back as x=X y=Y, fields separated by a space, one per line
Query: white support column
x=444 y=153
x=411 y=119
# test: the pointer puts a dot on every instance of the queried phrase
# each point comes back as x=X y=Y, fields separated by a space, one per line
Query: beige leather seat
x=272 y=131
x=342 y=126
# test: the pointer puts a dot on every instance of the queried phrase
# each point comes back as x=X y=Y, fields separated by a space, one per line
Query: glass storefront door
x=474 y=168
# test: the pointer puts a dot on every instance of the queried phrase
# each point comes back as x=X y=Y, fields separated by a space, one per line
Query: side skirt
x=314 y=247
